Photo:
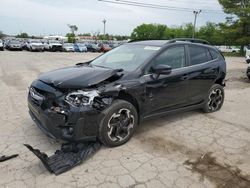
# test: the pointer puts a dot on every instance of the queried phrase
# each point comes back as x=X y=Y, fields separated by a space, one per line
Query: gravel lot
x=184 y=150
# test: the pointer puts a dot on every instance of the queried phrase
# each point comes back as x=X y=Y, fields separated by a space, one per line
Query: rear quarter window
x=215 y=54
x=199 y=55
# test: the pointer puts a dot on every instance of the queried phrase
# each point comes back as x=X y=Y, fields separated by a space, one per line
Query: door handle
x=209 y=71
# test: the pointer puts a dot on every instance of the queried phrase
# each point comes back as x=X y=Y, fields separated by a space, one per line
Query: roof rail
x=201 y=41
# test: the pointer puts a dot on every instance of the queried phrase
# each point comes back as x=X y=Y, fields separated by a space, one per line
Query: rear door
x=203 y=71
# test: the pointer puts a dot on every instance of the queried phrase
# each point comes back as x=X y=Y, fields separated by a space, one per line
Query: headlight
x=81 y=98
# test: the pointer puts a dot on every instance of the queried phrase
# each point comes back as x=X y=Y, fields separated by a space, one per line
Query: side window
x=174 y=57
x=199 y=55
x=214 y=54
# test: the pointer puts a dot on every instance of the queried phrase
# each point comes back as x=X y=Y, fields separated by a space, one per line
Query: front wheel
x=214 y=99
x=119 y=123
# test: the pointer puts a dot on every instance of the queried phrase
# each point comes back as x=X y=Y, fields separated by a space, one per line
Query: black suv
x=109 y=96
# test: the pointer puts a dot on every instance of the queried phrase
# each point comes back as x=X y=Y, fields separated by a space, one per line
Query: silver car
x=68 y=47
x=35 y=45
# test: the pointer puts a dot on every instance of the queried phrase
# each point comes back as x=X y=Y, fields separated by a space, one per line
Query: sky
x=50 y=17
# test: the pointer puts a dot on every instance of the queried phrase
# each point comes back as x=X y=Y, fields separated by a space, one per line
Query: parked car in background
x=93 y=48
x=80 y=47
x=228 y=49
x=248 y=54
x=14 y=45
x=34 y=45
x=108 y=97
x=1 y=45
x=104 y=47
x=53 y=46
x=248 y=71
x=68 y=47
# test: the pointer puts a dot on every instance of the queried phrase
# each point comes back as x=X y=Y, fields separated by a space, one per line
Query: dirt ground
x=190 y=149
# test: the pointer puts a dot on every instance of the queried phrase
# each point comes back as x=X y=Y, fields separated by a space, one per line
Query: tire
x=108 y=134
x=215 y=99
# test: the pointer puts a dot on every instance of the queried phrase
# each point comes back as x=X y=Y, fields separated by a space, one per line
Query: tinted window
x=214 y=54
x=174 y=57
x=199 y=55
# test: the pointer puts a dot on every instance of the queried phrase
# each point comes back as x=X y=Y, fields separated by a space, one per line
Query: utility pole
x=104 y=29
x=196 y=13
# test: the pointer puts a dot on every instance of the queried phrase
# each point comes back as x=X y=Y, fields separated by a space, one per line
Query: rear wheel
x=215 y=99
x=119 y=123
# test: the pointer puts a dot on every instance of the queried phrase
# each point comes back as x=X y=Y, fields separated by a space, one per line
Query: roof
x=159 y=43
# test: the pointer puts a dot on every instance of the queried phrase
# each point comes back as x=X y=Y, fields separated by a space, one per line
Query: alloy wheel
x=120 y=125
x=215 y=99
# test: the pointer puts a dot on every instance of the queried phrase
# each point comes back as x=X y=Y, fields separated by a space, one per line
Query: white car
x=1 y=45
x=228 y=49
x=53 y=45
x=35 y=45
x=248 y=54
x=68 y=47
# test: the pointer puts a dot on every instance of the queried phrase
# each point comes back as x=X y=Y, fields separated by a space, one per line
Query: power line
x=145 y=6
x=157 y=6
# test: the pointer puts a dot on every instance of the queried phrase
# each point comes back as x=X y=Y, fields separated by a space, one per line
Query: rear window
x=199 y=55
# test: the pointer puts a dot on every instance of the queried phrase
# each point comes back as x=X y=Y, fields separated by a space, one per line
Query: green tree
x=22 y=35
x=149 y=32
x=73 y=28
x=212 y=32
x=71 y=37
x=238 y=26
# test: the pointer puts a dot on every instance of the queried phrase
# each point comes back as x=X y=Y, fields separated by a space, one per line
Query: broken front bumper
x=75 y=124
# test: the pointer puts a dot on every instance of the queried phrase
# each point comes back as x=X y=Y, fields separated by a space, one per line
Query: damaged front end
x=72 y=115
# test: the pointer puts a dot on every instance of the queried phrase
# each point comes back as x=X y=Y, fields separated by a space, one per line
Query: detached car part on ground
x=108 y=97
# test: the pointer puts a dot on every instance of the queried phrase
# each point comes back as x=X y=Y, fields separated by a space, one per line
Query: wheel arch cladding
x=220 y=81
x=128 y=97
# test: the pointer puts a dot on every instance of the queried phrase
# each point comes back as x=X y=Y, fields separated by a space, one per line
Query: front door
x=165 y=92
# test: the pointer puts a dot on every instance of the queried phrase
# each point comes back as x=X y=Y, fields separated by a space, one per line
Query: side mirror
x=162 y=69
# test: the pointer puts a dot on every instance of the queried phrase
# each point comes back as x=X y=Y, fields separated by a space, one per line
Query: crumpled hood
x=77 y=77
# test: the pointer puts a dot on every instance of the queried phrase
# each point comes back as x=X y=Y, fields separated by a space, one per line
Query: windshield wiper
x=117 y=70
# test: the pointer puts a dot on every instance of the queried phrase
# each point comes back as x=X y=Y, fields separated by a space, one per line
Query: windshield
x=82 y=45
x=126 y=57
x=67 y=44
x=54 y=41
x=14 y=42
